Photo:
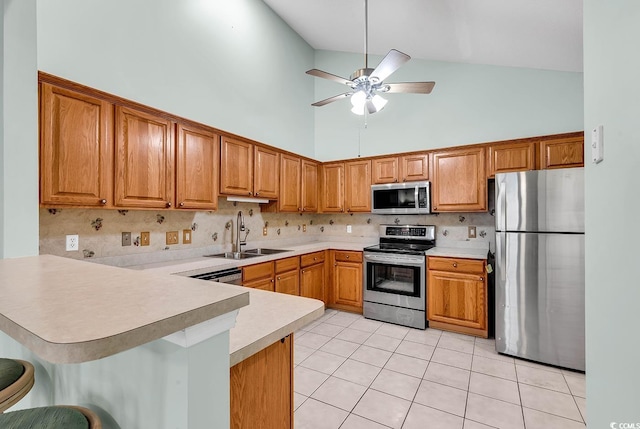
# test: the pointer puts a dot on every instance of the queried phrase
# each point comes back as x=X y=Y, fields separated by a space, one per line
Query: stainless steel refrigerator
x=540 y=266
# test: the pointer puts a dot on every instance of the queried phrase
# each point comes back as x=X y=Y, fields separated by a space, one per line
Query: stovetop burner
x=405 y=239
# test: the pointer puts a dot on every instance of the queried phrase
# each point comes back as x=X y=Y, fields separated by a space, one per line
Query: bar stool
x=56 y=417
x=16 y=380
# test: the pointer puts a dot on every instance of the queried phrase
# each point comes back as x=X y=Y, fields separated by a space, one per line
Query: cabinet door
x=289 y=200
x=414 y=167
x=236 y=167
x=144 y=160
x=197 y=168
x=262 y=388
x=457 y=299
x=262 y=284
x=266 y=173
x=309 y=188
x=76 y=148
x=385 y=170
x=333 y=187
x=358 y=186
x=313 y=282
x=511 y=157
x=346 y=288
x=288 y=282
x=562 y=153
x=460 y=183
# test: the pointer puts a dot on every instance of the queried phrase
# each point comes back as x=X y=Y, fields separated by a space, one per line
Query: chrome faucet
x=240 y=227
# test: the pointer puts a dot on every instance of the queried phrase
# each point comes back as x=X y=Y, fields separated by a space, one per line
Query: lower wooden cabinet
x=288 y=275
x=457 y=295
x=346 y=284
x=313 y=277
x=259 y=276
x=262 y=388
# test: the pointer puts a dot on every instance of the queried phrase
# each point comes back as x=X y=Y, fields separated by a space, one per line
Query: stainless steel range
x=394 y=275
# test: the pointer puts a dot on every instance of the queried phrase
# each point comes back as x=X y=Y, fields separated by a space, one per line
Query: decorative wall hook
x=136 y=242
x=311 y=222
x=159 y=218
x=461 y=218
x=214 y=236
x=445 y=232
x=123 y=212
x=227 y=225
x=482 y=234
x=286 y=223
x=369 y=220
x=97 y=223
x=278 y=231
x=194 y=226
x=266 y=224
x=250 y=212
x=322 y=229
x=88 y=253
x=331 y=222
x=54 y=211
x=396 y=221
x=299 y=227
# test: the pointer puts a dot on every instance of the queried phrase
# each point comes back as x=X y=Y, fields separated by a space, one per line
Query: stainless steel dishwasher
x=232 y=276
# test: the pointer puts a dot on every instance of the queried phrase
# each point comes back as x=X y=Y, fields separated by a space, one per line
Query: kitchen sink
x=233 y=255
x=265 y=251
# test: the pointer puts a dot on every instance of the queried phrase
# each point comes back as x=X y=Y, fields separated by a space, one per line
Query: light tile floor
x=356 y=373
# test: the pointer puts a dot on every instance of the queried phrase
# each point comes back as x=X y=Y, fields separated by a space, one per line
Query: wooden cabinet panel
x=262 y=284
x=290 y=182
x=197 y=168
x=257 y=271
x=414 y=167
x=457 y=295
x=385 y=170
x=562 y=153
x=313 y=282
x=287 y=264
x=262 y=388
x=309 y=186
x=358 y=186
x=346 y=288
x=266 y=173
x=76 y=152
x=236 y=167
x=508 y=157
x=460 y=183
x=333 y=187
x=143 y=160
x=347 y=256
x=288 y=282
x=312 y=258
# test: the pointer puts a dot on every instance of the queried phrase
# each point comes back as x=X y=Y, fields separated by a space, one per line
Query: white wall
x=469 y=104
x=612 y=99
x=18 y=130
x=233 y=65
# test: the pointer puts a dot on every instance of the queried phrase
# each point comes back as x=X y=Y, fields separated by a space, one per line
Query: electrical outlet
x=126 y=239
x=304 y=227
x=145 y=238
x=186 y=236
x=472 y=232
x=264 y=230
x=72 y=243
x=172 y=237
x=348 y=229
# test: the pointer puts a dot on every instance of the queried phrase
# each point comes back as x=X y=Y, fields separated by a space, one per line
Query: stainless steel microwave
x=401 y=198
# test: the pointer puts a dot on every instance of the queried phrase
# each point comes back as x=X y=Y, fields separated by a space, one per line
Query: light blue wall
x=18 y=130
x=612 y=99
x=469 y=104
x=233 y=65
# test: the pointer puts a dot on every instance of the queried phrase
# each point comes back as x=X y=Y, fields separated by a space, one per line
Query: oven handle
x=413 y=260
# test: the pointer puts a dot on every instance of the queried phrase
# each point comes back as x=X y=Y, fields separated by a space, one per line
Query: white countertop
x=68 y=311
x=460 y=249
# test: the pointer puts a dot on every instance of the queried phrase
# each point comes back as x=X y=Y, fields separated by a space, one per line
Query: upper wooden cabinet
x=290 y=184
x=459 y=180
x=197 y=168
x=76 y=148
x=562 y=152
x=406 y=168
x=332 y=197
x=309 y=188
x=248 y=170
x=508 y=157
x=143 y=160
x=358 y=186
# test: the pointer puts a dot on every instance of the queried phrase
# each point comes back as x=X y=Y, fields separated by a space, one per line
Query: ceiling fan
x=366 y=84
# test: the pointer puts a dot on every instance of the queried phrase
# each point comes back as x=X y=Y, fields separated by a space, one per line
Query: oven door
x=395 y=279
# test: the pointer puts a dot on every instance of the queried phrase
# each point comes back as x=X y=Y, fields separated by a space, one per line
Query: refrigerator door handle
x=501 y=205
x=501 y=255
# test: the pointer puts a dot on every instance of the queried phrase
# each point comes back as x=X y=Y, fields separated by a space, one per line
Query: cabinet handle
x=314 y=258
x=302 y=271
x=335 y=265
x=182 y=204
x=250 y=193
x=103 y=202
x=455 y=265
x=278 y=278
x=257 y=193
x=395 y=180
x=481 y=279
x=347 y=256
x=341 y=210
x=300 y=209
x=271 y=280
x=168 y=205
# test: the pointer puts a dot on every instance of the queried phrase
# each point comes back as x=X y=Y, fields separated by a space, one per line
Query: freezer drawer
x=540 y=311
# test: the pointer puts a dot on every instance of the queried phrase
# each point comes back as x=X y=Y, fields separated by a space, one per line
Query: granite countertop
x=69 y=311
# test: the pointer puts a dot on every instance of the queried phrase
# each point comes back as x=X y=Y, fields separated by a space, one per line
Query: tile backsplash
x=100 y=230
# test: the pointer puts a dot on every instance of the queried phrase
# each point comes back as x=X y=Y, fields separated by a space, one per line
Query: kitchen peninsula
x=95 y=335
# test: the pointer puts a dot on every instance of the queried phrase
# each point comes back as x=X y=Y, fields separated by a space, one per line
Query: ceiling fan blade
x=411 y=87
x=332 y=99
x=325 y=75
x=390 y=63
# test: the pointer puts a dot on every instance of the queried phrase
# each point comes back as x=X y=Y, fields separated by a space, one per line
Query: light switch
x=348 y=229
x=597 y=143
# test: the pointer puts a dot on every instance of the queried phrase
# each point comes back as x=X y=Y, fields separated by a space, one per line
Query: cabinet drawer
x=312 y=258
x=456 y=265
x=346 y=256
x=287 y=264
x=257 y=271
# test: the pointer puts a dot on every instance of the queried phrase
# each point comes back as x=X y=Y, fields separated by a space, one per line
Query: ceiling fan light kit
x=365 y=84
